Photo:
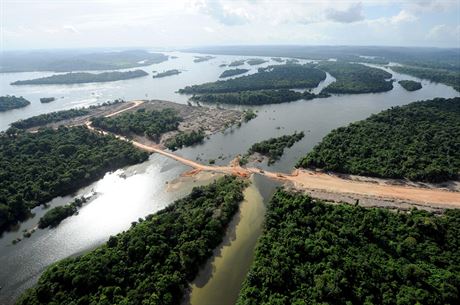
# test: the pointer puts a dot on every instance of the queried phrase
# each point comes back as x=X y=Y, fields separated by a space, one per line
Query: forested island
x=277 y=59
x=311 y=252
x=77 y=60
x=185 y=139
x=9 y=102
x=202 y=58
x=439 y=75
x=167 y=73
x=418 y=141
x=81 y=78
x=256 y=61
x=273 y=148
x=356 y=78
x=237 y=63
x=56 y=215
x=37 y=167
x=410 y=85
x=153 y=261
x=141 y=122
x=233 y=72
x=45 y=100
x=272 y=77
x=257 y=97
x=50 y=117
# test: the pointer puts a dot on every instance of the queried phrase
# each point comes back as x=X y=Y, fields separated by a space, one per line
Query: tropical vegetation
x=82 y=77
x=9 y=102
x=410 y=85
x=419 y=141
x=37 y=167
x=233 y=72
x=153 y=261
x=311 y=252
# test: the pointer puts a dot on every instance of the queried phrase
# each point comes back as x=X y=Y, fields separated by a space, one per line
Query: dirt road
x=307 y=180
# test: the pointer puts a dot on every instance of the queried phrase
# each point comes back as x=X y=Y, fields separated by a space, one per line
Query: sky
x=36 y=24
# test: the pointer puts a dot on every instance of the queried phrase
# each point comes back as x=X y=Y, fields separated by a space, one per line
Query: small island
x=256 y=97
x=10 y=102
x=202 y=58
x=45 y=100
x=167 y=73
x=233 y=72
x=273 y=148
x=277 y=59
x=237 y=63
x=81 y=78
x=56 y=215
x=256 y=61
x=410 y=85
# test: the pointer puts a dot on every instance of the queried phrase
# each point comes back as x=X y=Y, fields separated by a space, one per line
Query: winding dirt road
x=307 y=180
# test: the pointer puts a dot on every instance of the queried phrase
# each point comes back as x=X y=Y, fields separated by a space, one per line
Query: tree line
x=419 y=141
x=311 y=252
x=82 y=77
x=37 y=167
x=9 y=102
x=153 y=261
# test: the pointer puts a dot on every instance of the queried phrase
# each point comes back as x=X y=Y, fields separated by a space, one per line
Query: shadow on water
x=219 y=281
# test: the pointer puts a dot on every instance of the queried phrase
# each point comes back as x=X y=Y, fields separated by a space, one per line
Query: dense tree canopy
x=167 y=73
x=233 y=72
x=82 y=77
x=9 y=102
x=448 y=77
x=141 y=122
x=56 y=215
x=45 y=100
x=185 y=139
x=36 y=167
x=419 y=141
x=272 y=77
x=410 y=85
x=237 y=63
x=356 y=78
x=274 y=148
x=153 y=261
x=256 y=61
x=316 y=253
x=50 y=117
x=256 y=97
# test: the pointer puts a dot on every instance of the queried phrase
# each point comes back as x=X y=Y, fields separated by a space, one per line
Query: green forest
x=50 y=117
x=448 y=77
x=273 y=148
x=9 y=102
x=311 y=252
x=410 y=85
x=272 y=77
x=237 y=63
x=56 y=215
x=256 y=61
x=233 y=72
x=356 y=78
x=37 y=167
x=167 y=73
x=185 y=139
x=151 y=123
x=82 y=77
x=153 y=261
x=45 y=100
x=419 y=141
x=256 y=97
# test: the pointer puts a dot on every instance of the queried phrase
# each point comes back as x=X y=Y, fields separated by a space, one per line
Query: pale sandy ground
x=322 y=184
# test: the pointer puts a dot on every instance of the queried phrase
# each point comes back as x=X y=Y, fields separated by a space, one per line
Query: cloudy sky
x=179 y=23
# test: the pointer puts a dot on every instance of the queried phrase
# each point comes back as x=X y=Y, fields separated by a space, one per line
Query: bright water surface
x=119 y=200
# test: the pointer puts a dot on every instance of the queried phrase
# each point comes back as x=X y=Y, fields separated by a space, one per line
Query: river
x=133 y=192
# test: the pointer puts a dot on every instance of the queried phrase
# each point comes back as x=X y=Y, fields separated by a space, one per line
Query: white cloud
x=70 y=29
x=444 y=32
x=352 y=14
x=403 y=17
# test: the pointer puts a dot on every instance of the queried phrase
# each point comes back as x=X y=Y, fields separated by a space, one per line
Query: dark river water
x=124 y=196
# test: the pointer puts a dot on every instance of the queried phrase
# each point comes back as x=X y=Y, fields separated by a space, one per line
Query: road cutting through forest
x=310 y=180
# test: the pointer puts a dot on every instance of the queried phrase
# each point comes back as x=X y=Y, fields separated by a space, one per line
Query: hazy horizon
x=83 y=24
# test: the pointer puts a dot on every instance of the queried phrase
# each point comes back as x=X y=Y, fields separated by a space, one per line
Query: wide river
x=133 y=192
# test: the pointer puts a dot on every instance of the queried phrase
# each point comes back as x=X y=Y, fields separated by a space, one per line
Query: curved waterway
x=133 y=192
